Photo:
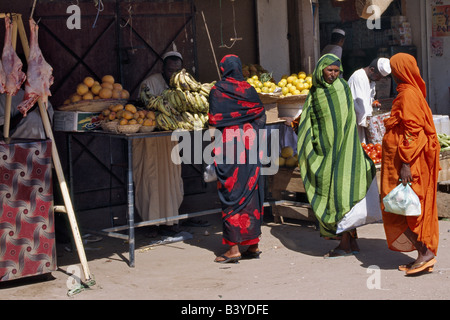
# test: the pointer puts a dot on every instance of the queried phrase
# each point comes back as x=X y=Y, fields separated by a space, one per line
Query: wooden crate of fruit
x=286 y=181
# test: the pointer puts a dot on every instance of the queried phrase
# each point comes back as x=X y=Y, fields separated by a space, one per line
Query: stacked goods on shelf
x=295 y=84
x=263 y=83
x=127 y=119
x=400 y=31
x=90 y=89
x=444 y=141
x=251 y=70
x=373 y=151
x=287 y=158
x=184 y=105
x=289 y=85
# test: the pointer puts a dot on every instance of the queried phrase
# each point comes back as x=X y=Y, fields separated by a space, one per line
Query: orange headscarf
x=411 y=138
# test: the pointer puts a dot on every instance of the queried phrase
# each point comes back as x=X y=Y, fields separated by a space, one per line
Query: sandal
x=228 y=259
x=337 y=253
x=421 y=266
x=251 y=254
x=405 y=267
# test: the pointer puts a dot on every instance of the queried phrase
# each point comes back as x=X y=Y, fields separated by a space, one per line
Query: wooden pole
x=210 y=43
x=58 y=169
x=65 y=192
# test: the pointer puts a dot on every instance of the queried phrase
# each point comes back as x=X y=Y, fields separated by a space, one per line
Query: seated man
x=157 y=179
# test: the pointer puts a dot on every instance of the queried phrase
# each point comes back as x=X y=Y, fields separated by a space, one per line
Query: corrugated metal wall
x=125 y=39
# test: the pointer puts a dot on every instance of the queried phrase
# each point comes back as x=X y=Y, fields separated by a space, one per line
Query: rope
x=100 y=8
x=234 y=27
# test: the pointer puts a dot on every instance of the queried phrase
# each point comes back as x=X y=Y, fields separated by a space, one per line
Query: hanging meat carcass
x=12 y=65
x=39 y=74
x=2 y=78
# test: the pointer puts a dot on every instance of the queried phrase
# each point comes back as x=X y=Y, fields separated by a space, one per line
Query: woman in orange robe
x=411 y=155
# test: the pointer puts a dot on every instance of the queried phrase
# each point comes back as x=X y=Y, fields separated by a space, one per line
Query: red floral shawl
x=236 y=110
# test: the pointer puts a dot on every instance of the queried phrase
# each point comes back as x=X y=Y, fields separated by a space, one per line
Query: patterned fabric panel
x=27 y=234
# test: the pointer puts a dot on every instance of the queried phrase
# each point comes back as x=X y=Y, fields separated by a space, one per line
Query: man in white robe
x=336 y=44
x=362 y=85
x=157 y=179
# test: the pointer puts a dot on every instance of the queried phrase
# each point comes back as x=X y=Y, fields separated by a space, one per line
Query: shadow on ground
x=303 y=237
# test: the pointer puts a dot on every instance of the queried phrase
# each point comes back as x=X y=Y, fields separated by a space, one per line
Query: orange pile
x=90 y=89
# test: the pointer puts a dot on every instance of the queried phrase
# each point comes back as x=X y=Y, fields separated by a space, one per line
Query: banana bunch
x=184 y=105
x=160 y=104
x=185 y=120
x=191 y=121
x=164 y=122
x=196 y=102
x=184 y=81
x=176 y=98
x=205 y=88
x=146 y=96
x=186 y=100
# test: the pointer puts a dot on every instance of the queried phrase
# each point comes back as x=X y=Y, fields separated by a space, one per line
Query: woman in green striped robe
x=336 y=172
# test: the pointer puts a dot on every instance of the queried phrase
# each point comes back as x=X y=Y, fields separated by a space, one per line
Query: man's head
x=338 y=37
x=378 y=69
x=172 y=62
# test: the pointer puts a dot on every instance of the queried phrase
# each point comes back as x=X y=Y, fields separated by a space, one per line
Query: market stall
x=132 y=223
x=286 y=186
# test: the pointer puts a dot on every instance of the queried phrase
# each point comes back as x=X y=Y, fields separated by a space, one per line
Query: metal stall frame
x=114 y=231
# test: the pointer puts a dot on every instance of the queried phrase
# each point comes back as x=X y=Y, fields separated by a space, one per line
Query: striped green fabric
x=335 y=170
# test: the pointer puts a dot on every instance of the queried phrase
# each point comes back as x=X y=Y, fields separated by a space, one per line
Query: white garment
x=157 y=179
x=363 y=92
x=31 y=126
x=334 y=49
x=155 y=83
x=366 y=211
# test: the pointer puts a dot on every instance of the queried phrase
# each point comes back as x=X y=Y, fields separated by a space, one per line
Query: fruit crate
x=286 y=179
x=444 y=161
x=287 y=185
x=271 y=112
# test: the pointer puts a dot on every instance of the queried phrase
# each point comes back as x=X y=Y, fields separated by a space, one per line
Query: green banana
x=177 y=101
x=160 y=121
x=198 y=102
x=190 y=101
x=151 y=104
x=171 y=109
x=145 y=96
x=188 y=117
x=162 y=106
x=193 y=84
x=171 y=123
x=205 y=103
x=182 y=80
x=204 y=90
x=182 y=97
x=171 y=103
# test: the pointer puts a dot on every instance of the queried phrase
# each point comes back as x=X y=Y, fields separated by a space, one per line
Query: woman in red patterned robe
x=237 y=112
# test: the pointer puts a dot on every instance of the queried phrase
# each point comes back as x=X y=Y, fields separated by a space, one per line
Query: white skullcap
x=337 y=30
x=384 y=66
x=172 y=54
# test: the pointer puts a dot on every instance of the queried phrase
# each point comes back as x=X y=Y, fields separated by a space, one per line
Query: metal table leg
x=130 y=193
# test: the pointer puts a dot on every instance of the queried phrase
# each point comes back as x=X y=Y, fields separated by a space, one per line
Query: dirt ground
x=291 y=267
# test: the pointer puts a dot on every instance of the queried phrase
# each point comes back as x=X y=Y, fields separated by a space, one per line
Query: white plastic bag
x=209 y=175
x=366 y=211
x=402 y=200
